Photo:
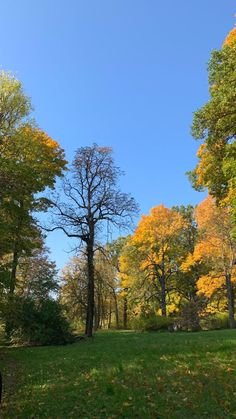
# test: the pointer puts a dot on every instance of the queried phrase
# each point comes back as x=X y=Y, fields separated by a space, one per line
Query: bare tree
x=92 y=197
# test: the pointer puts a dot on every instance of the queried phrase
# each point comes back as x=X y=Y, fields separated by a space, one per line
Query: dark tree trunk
x=102 y=313
x=109 y=315
x=13 y=272
x=99 y=311
x=96 y=326
x=125 y=316
x=230 y=298
x=8 y=325
x=116 y=309
x=90 y=298
x=163 y=297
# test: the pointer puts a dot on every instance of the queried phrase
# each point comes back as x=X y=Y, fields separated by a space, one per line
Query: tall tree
x=31 y=161
x=92 y=198
x=215 y=125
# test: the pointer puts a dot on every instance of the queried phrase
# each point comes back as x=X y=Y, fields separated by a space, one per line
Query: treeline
x=176 y=271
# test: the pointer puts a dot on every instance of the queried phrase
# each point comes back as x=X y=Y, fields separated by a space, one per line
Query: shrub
x=36 y=324
x=189 y=315
x=215 y=322
x=152 y=322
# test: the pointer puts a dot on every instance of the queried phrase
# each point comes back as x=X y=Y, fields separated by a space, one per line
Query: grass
x=124 y=375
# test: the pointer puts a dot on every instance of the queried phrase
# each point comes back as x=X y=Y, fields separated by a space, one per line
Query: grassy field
x=124 y=375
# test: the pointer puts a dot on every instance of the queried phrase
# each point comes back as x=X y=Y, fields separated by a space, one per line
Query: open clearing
x=124 y=375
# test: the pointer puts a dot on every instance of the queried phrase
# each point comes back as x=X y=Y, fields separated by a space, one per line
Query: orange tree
x=153 y=255
x=216 y=247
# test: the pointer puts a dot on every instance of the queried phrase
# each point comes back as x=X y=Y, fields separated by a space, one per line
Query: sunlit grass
x=125 y=375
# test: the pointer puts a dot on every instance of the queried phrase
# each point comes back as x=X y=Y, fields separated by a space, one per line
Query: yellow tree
x=217 y=247
x=156 y=252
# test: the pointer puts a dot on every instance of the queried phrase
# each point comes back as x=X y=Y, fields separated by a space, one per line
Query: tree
x=93 y=198
x=190 y=304
x=15 y=105
x=73 y=290
x=217 y=247
x=156 y=251
x=37 y=276
x=73 y=293
x=105 y=291
x=215 y=125
x=31 y=161
x=114 y=251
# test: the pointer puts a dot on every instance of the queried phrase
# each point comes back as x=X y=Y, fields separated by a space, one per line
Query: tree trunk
x=90 y=295
x=8 y=325
x=109 y=315
x=99 y=311
x=163 y=297
x=125 y=316
x=116 y=309
x=230 y=298
x=95 y=317
x=13 y=272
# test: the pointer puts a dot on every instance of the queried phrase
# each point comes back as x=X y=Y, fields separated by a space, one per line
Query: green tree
x=15 y=105
x=114 y=251
x=37 y=276
x=30 y=162
x=215 y=125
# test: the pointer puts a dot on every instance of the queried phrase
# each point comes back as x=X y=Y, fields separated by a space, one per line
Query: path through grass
x=125 y=375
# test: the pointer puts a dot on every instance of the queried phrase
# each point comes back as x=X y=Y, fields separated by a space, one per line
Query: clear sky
x=123 y=73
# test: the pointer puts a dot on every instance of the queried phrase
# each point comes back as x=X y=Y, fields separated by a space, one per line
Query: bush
x=36 y=324
x=189 y=315
x=152 y=322
x=215 y=322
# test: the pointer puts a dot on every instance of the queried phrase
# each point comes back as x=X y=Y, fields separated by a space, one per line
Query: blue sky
x=123 y=73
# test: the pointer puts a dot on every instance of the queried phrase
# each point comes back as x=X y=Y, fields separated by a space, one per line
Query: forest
x=172 y=270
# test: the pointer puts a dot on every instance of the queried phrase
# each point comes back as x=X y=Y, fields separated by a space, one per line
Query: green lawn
x=124 y=375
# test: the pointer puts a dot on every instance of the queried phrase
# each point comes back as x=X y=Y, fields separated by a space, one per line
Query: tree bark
x=12 y=286
x=230 y=298
x=109 y=315
x=90 y=299
x=125 y=316
x=116 y=309
x=95 y=316
x=13 y=272
x=163 y=297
